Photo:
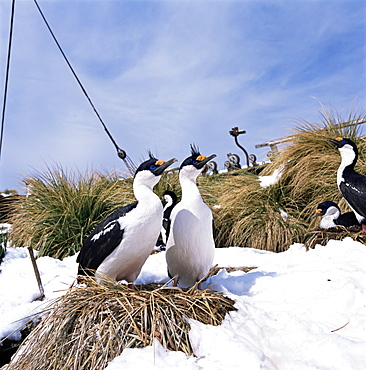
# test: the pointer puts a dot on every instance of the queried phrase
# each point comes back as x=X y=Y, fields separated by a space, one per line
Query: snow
x=283 y=214
x=152 y=357
x=19 y=288
x=266 y=181
x=296 y=310
x=5 y=228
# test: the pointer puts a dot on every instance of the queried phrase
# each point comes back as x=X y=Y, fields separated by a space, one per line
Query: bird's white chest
x=191 y=223
x=340 y=177
x=141 y=228
x=191 y=247
x=347 y=158
x=327 y=223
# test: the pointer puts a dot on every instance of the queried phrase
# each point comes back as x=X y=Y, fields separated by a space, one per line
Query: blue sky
x=164 y=74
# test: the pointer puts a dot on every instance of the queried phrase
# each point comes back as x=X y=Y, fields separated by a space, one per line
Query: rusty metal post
x=36 y=271
x=236 y=132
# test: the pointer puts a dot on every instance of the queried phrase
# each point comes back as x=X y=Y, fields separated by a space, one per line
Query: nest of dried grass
x=322 y=237
x=91 y=325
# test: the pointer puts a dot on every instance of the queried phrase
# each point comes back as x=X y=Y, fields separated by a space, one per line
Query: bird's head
x=347 y=149
x=326 y=208
x=342 y=142
x=151 y=169
x=195 y=162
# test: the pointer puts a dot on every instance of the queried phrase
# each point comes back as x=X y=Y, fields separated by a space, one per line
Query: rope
x=7 y=75
x=120 y=152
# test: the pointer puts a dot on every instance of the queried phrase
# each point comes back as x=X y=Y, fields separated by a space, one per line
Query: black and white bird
x=351 y=184
x=119 y=246
x=190 y=246
x=332 y=217
x=171 y=200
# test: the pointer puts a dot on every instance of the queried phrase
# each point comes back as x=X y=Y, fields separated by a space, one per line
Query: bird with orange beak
x=190 y=246
x=351 y=184
x=119 y=246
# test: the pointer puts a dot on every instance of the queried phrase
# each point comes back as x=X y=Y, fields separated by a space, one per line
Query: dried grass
x=65 y=206
x=58 y=217
x=311 y=162
x=91 y=325
x=249 y=216
x=322 y=237
x=169 y=181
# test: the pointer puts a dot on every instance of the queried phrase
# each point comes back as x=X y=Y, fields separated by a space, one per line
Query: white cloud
x=165 y=74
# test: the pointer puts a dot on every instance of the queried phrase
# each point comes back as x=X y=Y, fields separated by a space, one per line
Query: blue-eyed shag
x=171 y=200
x=332 y=217
x=119 y=246
x=351 y=184
x=190 y=246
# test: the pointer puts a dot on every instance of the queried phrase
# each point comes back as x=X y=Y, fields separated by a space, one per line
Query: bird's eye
x=153 y=167
x=195 y=161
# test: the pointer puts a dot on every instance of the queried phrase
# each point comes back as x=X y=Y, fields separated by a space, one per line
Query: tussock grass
x=64 y=207
x=311 y=161
x=250 y=216
x=208 y=186
x=169 y=181
x=91 y=325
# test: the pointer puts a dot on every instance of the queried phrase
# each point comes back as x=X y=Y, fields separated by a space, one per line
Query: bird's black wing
x=102 y=241
x=347 y=219
x=167 y=212
x=166 y=226
x=354 y=191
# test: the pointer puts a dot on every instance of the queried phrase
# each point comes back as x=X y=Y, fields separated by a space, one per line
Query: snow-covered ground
x=297 y=310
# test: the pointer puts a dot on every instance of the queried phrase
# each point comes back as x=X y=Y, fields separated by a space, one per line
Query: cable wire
x=7 y=75
x=120 y=152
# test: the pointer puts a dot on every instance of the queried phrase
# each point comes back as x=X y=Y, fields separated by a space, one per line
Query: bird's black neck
x=349 y=170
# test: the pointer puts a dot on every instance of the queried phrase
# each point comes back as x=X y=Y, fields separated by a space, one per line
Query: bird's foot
x=131 y=286
x=363 y=229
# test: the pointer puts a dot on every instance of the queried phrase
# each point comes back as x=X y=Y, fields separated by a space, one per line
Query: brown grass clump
x=209 y=186
x=64 y=207
x=250 y=216
x=89 y=326
x=311 y=162
x=169 y=181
